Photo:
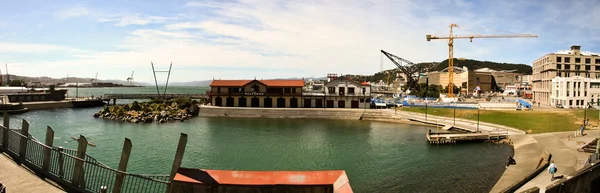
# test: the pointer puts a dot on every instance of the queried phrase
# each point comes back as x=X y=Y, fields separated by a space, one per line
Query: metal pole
x=168 y=76
x=425 y=111
x=454 y=114
x=477 y=120
x=155 y=81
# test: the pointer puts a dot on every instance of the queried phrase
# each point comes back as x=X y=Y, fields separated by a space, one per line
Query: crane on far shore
x=451 y=38
x=130 y=79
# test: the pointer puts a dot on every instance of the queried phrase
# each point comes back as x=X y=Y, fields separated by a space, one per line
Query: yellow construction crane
x=470 y=37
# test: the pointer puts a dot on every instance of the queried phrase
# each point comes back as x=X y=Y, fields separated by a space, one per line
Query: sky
x=246 y=39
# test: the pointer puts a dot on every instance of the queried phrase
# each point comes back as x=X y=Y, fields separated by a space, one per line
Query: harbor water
x=378 y=157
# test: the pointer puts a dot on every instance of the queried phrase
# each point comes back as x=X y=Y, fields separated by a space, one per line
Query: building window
x=567 y=59
x=587 y=75
x=218 y=89
x=588 y=67
x=559 y=59
x=585 y=93
x=577 y=60
x=588 y=60
x=576 y=73
x=577 y=67
x=558 y=66
x=570 y=102
x=567 y=67
x=597 y=61
x=255 y=88
x=350 y=90
x=331 y=90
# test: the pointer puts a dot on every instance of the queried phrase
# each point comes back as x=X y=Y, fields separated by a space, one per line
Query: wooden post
x=61 y=162
x=48 y=151
x=122 y=165
x=5 y=131
x=25 y=132
x=178 y=157
x=78 y=170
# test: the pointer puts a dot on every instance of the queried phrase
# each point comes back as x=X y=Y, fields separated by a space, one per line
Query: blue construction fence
x=441 y=106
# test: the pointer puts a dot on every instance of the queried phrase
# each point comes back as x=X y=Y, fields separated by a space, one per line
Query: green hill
x=437 y=66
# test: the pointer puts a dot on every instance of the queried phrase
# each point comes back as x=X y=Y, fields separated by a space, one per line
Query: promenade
x=458 y=122
x=564 y=154
x=17 y=178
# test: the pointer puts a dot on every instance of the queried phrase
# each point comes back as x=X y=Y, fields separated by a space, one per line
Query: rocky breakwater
x=155 y=111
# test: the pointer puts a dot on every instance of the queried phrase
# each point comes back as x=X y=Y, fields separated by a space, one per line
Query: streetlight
x=454 y=114
x=478 y=118
x=425 y=111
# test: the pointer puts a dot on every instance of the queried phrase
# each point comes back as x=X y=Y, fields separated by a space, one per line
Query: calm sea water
x=378 y=157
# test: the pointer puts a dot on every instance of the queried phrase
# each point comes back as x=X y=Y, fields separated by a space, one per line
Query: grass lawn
x=530 y=121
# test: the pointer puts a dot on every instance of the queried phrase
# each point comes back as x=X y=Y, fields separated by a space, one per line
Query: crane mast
x=451 y=38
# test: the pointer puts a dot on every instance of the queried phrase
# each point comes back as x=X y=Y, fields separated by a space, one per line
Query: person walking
x=581 y=129
x=552 y=169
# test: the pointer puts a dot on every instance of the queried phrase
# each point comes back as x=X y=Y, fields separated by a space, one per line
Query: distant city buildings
x=475 y=81
x=567 y=77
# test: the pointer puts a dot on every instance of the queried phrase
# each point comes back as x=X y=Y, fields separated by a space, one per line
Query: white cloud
x=75 y=11
x=34 y=48
x=305 y=38
x=133 y=19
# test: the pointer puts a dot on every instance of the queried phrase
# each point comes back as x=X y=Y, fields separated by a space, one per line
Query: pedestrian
x=581 y=129
x=511 y=161
x=552 y=169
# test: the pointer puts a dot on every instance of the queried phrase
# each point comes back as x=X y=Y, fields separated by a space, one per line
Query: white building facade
x=575 y=92
x=340 y=93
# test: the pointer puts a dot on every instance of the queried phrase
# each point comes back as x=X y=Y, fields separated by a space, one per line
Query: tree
x=17 y=83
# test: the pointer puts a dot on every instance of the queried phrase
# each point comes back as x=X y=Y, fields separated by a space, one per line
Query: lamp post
x=425 y=111
x=454 y=114
x=478 y=119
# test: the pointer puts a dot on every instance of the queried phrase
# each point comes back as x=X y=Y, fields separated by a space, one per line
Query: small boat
x=77 y=139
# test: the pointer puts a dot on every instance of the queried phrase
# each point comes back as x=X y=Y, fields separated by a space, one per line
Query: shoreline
x=531 y=154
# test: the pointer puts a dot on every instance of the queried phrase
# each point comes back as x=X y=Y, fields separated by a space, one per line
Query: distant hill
x=476 y=64
x=207 y=82
x=437 y=66
x=49 y=81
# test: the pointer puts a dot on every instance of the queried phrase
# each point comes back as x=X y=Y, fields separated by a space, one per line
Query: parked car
x=559 y=106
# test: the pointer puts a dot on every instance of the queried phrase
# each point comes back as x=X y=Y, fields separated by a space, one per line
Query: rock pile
x=156 y=111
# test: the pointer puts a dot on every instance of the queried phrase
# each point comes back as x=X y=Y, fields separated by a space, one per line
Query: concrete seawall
x=48 y=105
x=295 y=113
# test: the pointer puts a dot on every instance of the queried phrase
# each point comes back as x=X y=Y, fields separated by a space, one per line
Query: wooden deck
x=443 y=138
x=153 y=96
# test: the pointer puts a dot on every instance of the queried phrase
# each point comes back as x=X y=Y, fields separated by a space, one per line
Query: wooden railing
x=74 y=169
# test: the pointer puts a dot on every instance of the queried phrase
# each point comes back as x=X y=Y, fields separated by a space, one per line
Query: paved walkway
x=564 y=154
x=19 y=179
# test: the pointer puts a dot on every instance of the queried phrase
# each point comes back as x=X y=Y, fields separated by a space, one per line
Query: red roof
x=336 y=178
x=365 y=83
x=229 y=82
x=273 y=83
x=281 y=83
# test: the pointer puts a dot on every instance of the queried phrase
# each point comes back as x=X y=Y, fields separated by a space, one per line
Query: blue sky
x=270 y=39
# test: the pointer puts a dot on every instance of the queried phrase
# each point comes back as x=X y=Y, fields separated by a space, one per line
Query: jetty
x=454 y=137
x=114 y=97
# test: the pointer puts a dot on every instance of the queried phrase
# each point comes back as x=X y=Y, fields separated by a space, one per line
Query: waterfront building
x=343 y=93
x=572 y=92
x=570 y=66
x=256 y=93
x=471 y=81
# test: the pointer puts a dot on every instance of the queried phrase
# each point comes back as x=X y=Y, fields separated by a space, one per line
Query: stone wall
x=48 y=105
x=309 y=113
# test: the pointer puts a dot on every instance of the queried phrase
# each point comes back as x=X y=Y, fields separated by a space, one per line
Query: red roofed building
x=230 y=181
x=256 y=93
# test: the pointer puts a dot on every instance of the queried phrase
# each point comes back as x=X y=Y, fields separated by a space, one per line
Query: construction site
x=419 y=85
